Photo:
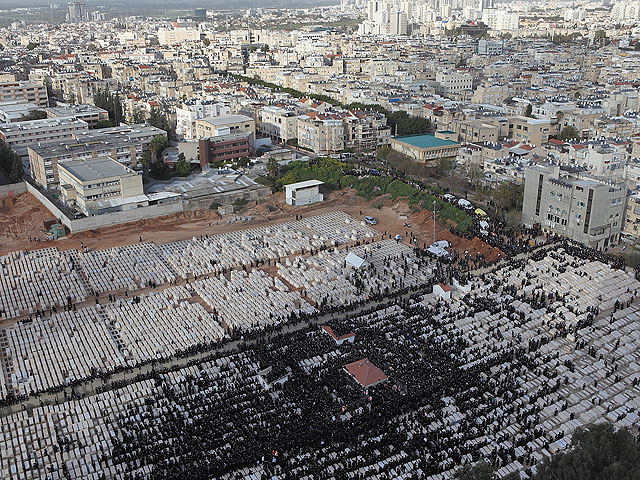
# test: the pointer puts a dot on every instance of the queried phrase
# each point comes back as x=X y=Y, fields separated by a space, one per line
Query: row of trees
x=401 y=122
x=10 y=163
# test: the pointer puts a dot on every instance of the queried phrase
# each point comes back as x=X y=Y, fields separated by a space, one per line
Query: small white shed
x=304 y=193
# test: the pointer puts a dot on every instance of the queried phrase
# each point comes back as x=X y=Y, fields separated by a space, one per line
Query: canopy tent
x=355 y=261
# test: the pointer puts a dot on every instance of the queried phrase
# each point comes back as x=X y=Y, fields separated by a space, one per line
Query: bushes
x=330 y=172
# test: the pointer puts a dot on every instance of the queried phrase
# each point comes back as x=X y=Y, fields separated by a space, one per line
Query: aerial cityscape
x=341 y=239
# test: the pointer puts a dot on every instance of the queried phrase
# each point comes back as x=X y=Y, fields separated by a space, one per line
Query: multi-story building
x=224 y=148
x=490 y=47
x=453 y=82
x=77 y=12
x=179 y=33
x=15 y=111
x=321 y=133
x=89 y=113
x=632 y=217
x=86 y=183
x=583 y=209
x=189 y=112
x=366 y=131
x=225 y=125
x=278 y=123
x=475 y=131
x=24 y=92
x=125 y=145
x=20 y=135
x=530 y=130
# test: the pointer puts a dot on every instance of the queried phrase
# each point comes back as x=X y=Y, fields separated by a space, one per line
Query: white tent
x=355 y=261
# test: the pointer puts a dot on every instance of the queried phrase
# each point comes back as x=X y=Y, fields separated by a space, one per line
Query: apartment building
x=86 y=112
x=583 y=209
x=366 y=131
x=632 y=217
x=86 y=183
x=453 y=82
x=20 y=135
x=278 y=123
x=178 y=34
x=126 y=147
x=11 y=112
x=475 y=131
x=189 y=112
x=25 y=92
x=535 y=131
x=321 y=133
x=225 y=125
x=224 y=148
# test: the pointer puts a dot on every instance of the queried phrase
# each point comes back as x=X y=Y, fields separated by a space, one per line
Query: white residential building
x=188 y=113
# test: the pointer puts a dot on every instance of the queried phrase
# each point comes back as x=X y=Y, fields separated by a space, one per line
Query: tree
x=569 y=133
x=206 y=42
x=160 y=170
x=183 y=168
x=139 y=116
x=111 y=103
x=157 y=146
x=272 y=167
x=50 y=95
x=598 y=452
x=33 y=115
x=16 y=171
x=528 y=111
x=479 y=471
x=293 y=142
x=159 y=120
x=146 y=162
x=106 y=123
x=31 y=46
x=243 y=162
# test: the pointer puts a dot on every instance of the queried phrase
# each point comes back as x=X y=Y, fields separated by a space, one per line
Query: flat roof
x=226 y=119
x=94 y=168
x=305 y=184
x=425 y=141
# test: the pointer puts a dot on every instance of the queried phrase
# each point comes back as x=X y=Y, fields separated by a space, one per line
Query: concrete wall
x=108 y=219
x=227 y=198
x=12 y=189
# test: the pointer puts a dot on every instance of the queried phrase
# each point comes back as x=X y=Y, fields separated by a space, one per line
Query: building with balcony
x=581 y=208
x=25 y=92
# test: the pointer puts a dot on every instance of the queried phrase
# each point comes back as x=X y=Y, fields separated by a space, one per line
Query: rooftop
x=95 y=168
x=425 y=141
x=365 y=372
x=305 y=184
x=226 y=119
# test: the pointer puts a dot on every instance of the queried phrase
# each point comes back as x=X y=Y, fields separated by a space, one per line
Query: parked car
x=370 y=220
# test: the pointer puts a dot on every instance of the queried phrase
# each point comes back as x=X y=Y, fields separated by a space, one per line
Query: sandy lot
x=22 y=217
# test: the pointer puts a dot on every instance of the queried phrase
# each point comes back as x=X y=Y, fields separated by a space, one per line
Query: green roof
x=425 y=141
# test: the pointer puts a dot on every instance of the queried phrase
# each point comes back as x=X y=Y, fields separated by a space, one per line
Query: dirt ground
x=22 y=217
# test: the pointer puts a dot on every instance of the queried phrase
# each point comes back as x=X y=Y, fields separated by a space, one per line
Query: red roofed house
x=347 y=337
x=365 y=373
x=443 y=290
